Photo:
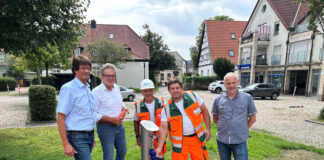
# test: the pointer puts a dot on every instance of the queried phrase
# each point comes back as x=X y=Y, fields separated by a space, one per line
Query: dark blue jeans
x=112 y=137
x=82 y=143
x=239 y=151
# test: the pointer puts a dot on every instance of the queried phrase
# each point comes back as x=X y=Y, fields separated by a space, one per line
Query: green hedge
x=42 y=102
x=321 y=116
x=4 y=81
x=199 y=83
x=50 y=80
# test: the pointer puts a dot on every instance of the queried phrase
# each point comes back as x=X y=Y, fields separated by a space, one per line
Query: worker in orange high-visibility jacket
x=183 y=117
x=148 y=108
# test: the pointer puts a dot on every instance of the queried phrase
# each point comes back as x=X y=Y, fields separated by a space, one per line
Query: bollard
x=8 y=87
x=147 y=129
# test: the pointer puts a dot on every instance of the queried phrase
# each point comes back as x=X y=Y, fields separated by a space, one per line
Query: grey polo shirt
x=233 y=117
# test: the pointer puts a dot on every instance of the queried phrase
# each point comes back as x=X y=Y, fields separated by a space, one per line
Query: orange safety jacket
x=144 y=114
x=175 y=125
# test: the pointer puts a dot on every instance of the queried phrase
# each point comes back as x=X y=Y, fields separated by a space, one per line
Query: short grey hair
x=229 y=74
x=107 y=66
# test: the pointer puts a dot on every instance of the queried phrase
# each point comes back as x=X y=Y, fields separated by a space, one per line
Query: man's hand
x=207 y=132
x=116 y=121
x=94 y=143
x=138 y=140
x=69 y=150
x=158 y=151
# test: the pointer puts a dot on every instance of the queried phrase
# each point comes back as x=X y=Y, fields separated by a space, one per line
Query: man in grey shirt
x=234 y=113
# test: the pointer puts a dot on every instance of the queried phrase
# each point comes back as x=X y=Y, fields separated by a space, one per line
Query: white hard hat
x=147 y=84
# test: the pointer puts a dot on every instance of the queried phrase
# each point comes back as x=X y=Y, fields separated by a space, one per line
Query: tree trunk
x=46 y=67
x=38 y=76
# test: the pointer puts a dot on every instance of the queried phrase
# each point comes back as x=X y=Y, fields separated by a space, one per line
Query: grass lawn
x=43 y=143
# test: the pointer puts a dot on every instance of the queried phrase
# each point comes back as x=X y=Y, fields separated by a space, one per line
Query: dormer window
x=233 y=36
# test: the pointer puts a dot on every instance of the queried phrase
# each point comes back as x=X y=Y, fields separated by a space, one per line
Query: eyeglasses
x=109 y=76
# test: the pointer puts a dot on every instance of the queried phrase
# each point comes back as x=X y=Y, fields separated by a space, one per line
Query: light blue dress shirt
x=77 y=103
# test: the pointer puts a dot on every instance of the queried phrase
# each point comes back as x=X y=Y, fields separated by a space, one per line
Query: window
x=111 y=36
x=77 y=51
x=169 y=76
x=264 y=7
x=202 y=73
x=233 y=36
x=276 y=57
x=231 y=53
x=276 y=28
x=122 y=89
x=321 y=54
x=161 y=76
x=208 y=72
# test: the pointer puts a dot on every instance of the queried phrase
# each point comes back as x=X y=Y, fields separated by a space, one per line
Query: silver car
x=128 y=94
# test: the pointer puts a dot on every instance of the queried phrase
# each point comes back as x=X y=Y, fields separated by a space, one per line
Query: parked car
x=128 y=94
x=262 y=90
x=218 y=87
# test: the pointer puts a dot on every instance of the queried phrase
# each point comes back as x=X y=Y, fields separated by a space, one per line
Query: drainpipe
x=287 y=43
x=286 y=63
x=310 y=65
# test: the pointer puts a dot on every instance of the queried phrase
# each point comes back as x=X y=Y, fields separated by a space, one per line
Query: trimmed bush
x=4 y=81
x=42 y=102
x=200 y=83
x=50 y=80
x=321 y=116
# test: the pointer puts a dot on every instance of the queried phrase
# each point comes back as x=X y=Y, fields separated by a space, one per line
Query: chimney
x=93 y=24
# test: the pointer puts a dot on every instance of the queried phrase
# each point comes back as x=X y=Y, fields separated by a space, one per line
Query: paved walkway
x=276 y=117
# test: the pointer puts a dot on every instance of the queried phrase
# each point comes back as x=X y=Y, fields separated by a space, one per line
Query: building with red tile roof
x=219 y=39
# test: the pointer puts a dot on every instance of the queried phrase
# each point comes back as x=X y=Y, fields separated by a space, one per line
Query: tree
x=160 y=59
x=12 y=71
x=316 y=21
x=103 y=51
x=27 y=28
x=194 y=49
x=29 y=25
x=222 y=66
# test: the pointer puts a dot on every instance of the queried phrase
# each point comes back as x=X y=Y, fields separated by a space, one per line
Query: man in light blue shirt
x=75 y=119
x=234 y=113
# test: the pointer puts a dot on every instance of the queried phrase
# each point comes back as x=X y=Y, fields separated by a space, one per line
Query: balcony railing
x=246 y=61
x=261 y=59
x=298 y=57
x=264 y=34
x=275 y=60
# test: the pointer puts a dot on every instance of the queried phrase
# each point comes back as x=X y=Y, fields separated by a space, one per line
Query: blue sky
x=176 y=20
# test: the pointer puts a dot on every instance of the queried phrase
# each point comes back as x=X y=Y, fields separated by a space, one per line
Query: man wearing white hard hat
x=148 y=108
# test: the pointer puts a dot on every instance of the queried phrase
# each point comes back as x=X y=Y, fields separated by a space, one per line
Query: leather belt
x=82 y=132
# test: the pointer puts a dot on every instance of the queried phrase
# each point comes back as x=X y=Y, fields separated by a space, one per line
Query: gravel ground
x=274 y=116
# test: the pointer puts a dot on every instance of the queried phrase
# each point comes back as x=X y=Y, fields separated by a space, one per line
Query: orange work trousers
x=193 y=146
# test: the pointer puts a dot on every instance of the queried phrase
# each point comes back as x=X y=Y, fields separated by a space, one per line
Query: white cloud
x=176 y=20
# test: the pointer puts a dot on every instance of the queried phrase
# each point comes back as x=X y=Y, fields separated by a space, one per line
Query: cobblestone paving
x=274 y=116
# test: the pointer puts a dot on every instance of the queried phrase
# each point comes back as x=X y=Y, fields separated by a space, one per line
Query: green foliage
x=200 y=83
x=13 y=71
x=39 y=143
x=4 y=81
x=28 y=25
x=160 y=59
x=152 y=77
x=194 y=56
x=222 y=66
x=95 y=81
x=321 y=116
x=50 y=80
x=106 y=51
x=316 y=9
x=42 y=102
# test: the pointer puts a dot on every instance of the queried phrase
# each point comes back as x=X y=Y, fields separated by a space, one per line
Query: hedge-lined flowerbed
x=42 y=102
x=4 y=81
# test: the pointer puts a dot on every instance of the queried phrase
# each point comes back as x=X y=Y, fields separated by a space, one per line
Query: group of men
x=183 y=117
